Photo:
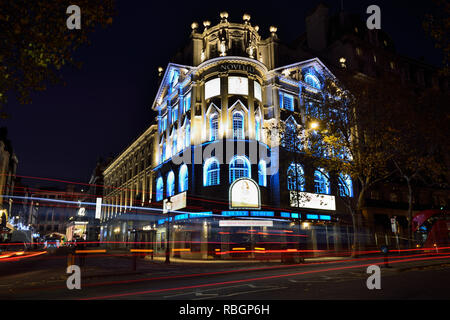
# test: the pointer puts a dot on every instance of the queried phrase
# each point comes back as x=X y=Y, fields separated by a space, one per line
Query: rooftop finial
x=246 y=17
x=194 y=26
x=224 y=16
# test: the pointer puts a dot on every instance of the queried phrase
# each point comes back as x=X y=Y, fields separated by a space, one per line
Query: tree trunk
x=355 y=215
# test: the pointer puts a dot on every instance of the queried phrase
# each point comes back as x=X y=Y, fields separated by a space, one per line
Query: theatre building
x=210 y=169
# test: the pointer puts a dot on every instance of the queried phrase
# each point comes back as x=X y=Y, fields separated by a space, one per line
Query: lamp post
x=168 y=208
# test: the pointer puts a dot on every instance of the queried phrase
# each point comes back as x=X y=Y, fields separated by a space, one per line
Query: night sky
x=107 y=103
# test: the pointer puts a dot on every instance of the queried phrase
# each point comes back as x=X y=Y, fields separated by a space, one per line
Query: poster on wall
x=244 y=193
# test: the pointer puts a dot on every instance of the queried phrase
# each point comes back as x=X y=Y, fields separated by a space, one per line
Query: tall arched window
x=257 y=128
x=170 y=184
x=262 y=177
x=188 y=135
x=295 y=177
x=214 y=127
x=174 y=143
x=239 y=168
x=238 y=125
x=211 y=173
x=159 y=189
x=183 y=178
x=321 y=182
x=345 y=185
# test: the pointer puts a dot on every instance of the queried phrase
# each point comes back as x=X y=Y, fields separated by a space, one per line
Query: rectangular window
x=187 y=102
x=238 y=85
x=175 y=113
x=163 y=125
x=212 y=88
x=286 y=101
x=258 y=91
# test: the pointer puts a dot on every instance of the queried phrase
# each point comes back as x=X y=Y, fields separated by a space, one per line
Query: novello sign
x=237 y=66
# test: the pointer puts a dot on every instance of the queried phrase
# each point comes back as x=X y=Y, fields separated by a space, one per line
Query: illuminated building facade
x=210 y=158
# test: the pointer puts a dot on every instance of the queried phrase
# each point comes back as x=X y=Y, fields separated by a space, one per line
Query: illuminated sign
x=235 y=213
x=236 y=66
x=244 y=193
x=178 y=201
x=82 y=212
x=245 y=223
x=312 y=200
x=238 y=85
x=98 y=208
x=212 y=88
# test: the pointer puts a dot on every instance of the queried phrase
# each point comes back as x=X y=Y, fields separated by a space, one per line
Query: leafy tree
x=36 y=43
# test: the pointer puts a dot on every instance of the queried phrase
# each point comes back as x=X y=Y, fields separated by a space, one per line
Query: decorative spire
x=224 y=17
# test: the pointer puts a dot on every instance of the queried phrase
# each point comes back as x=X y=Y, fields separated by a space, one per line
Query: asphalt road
x=409 y=278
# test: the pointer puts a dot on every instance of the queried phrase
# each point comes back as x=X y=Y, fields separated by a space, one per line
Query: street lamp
x=168 y=208
x=314 y=125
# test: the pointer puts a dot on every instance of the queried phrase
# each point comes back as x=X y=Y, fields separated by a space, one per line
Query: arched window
x=239 y=167
x=159 y=189
x=211 y=174
x=295 y=177
x=257 y=128
x=321 y=182
x=262 y=177
x=238 y=125
x=214 y=127
x=170 y=184
x=345 y=185
x=312 y=81
x=183 y=178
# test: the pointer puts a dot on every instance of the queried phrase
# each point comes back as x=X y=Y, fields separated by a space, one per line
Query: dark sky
x=106 y=104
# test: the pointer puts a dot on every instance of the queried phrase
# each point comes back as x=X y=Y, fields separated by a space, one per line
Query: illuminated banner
x=312 y=200
x=177 y=202
x=245 y=223
x=98 y=208
x=244 y=193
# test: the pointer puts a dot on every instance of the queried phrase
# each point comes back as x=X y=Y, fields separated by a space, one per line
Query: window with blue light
x=239 y=168
x=187 y=102
x=175 y=113
x=163 y=152
x=163 y=124
x=262 y=177
x=295 y=215
x=285 y=214
x=214 y=127
x=324 y=217
x=257 y=128
x=312 y=81
x=170 y=184
x=345 y=185
x=159 y=189
x=238 y=125
x=181 y=216
x=295 y=177
x=183 y=181
x=312 y=216
x=187 y=141
x=321 y=182
x=174 y=143
x=211 y=172
x=286 y=101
